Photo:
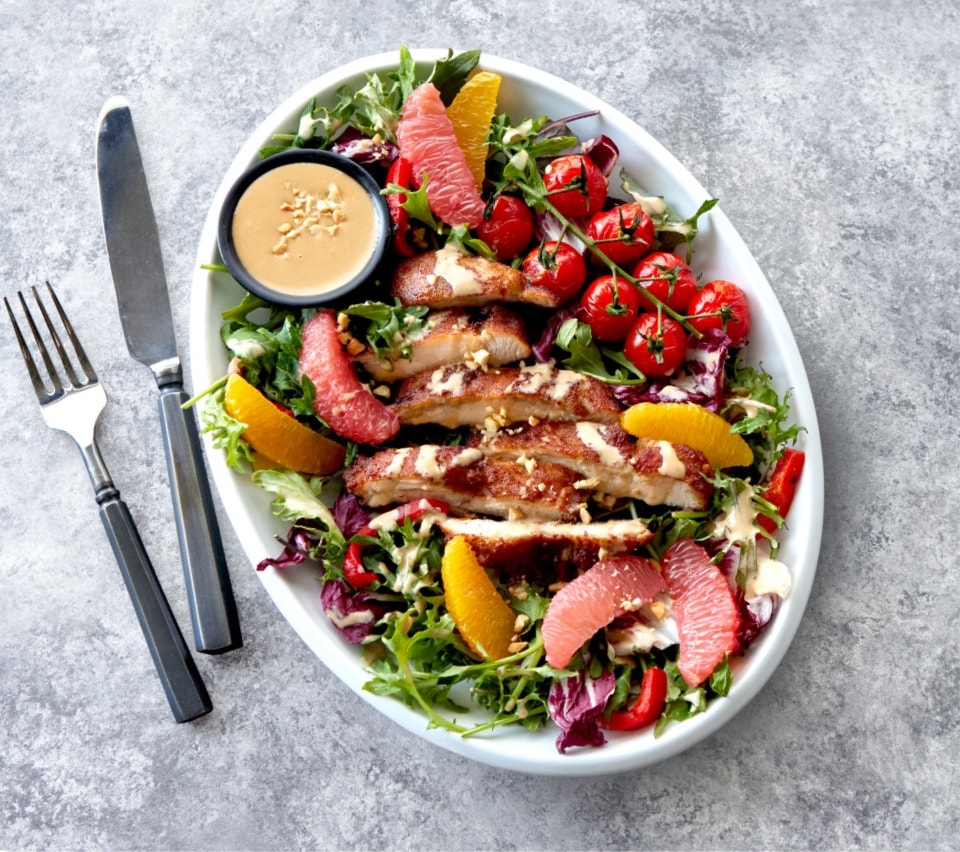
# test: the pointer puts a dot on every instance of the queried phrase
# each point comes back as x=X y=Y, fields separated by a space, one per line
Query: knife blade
x=136 y=263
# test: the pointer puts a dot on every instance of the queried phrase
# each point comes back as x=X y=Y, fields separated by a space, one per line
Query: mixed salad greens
x=626 y=675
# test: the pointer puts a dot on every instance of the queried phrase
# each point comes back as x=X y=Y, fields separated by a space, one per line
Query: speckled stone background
x=830 y=132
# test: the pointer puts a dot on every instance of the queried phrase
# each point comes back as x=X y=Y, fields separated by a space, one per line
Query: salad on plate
x=532 y=462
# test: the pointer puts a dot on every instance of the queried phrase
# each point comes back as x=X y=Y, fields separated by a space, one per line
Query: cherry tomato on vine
x=507 y=227
x=623 y=233
x=400 y=173
x=575 y=186
x=558 y=267
x=656 y=345
x=721 y=304
x=668 y=278
x=610 y=306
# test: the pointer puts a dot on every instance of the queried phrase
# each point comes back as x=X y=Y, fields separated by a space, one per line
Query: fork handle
x=213 y=610
x=178 y=673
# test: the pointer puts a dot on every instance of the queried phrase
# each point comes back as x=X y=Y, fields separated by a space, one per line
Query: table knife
x=136 y=262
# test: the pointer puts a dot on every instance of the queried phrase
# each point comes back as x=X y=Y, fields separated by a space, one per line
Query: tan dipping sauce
x=304 y=228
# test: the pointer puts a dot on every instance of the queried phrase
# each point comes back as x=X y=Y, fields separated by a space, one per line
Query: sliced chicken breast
x=463 y=478
x=492 y=336
x=461 y=396
x=609 y=460
x=449 y=278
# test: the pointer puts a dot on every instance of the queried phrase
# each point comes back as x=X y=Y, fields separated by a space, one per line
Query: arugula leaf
x=575 y=338
x=757 y=412
x=416 y=203
x=451 y=73
x=671 y=230
x=390 y=329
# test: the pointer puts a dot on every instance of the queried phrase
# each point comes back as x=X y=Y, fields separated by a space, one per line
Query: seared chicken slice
x=466 y=480
x=545 y=551
x=460 y=396
x=450 y=278
x=492 y=336
x=609 y=460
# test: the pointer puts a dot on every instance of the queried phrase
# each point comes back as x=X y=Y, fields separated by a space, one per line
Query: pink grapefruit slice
x=708 y=619
x=427 y=139
x=609 y=588
x=348 y=406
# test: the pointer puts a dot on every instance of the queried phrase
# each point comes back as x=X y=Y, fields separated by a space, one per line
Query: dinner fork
x=71 y=400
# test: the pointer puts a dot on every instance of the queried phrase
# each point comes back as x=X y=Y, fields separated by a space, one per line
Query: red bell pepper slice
x=782 y=487
x=646 y=709
x=400 y=173
x=353 y=569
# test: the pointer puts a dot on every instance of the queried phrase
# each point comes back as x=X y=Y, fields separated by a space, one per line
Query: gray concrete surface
x=830 y=132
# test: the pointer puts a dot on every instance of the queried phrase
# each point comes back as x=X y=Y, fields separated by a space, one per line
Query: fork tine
x=85 y=365
x=38 y=384
x=55 y=337
x=41 y=347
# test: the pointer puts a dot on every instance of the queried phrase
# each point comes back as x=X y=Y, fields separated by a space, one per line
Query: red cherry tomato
x=400 y=173
x=721 y=304
x=648 y=706
x=610 y=306
x=507 y=227
x=668 y=278
x=623 y=233
x=575 y=186
x=558 y=267
x=656 y=345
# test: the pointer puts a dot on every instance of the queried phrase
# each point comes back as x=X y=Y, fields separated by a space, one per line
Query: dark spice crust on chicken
x=460 y=396
x=620 y=465
x=417 y=281
x=467 y=481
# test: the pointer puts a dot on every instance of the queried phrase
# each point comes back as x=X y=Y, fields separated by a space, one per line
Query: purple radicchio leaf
x=357 y=146
x=543 y=348
x=604 y=153
x=296 y=548
x=699 y=380
x=755 y=613
x=548 y=228
x=353 y=612
x=576 y=705
x=349 y=514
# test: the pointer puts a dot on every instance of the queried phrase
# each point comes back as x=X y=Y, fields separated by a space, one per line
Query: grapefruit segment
x=427 y=139
x=342 y=401
x=610 y=587
x=689 y=424
x=708 y=619
x=279 y=436
x=484 y=619
x=470 y=114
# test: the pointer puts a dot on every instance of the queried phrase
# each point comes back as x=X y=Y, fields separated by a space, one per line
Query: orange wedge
x=470 y=113
x=278 y=436
x=484 y=619
x=689 y=424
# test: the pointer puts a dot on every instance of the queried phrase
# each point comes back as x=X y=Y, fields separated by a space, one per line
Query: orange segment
x=689 y=424
x=278 y=436
x=484 y=619
x=471 y=112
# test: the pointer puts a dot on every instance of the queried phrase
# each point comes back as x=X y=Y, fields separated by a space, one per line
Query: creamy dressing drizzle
x=589 y=434
x=670 y=463
x=448 y=265
x=441 y=383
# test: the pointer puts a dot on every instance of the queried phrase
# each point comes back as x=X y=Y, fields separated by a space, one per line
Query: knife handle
x=213 y=610
x=178 y=673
